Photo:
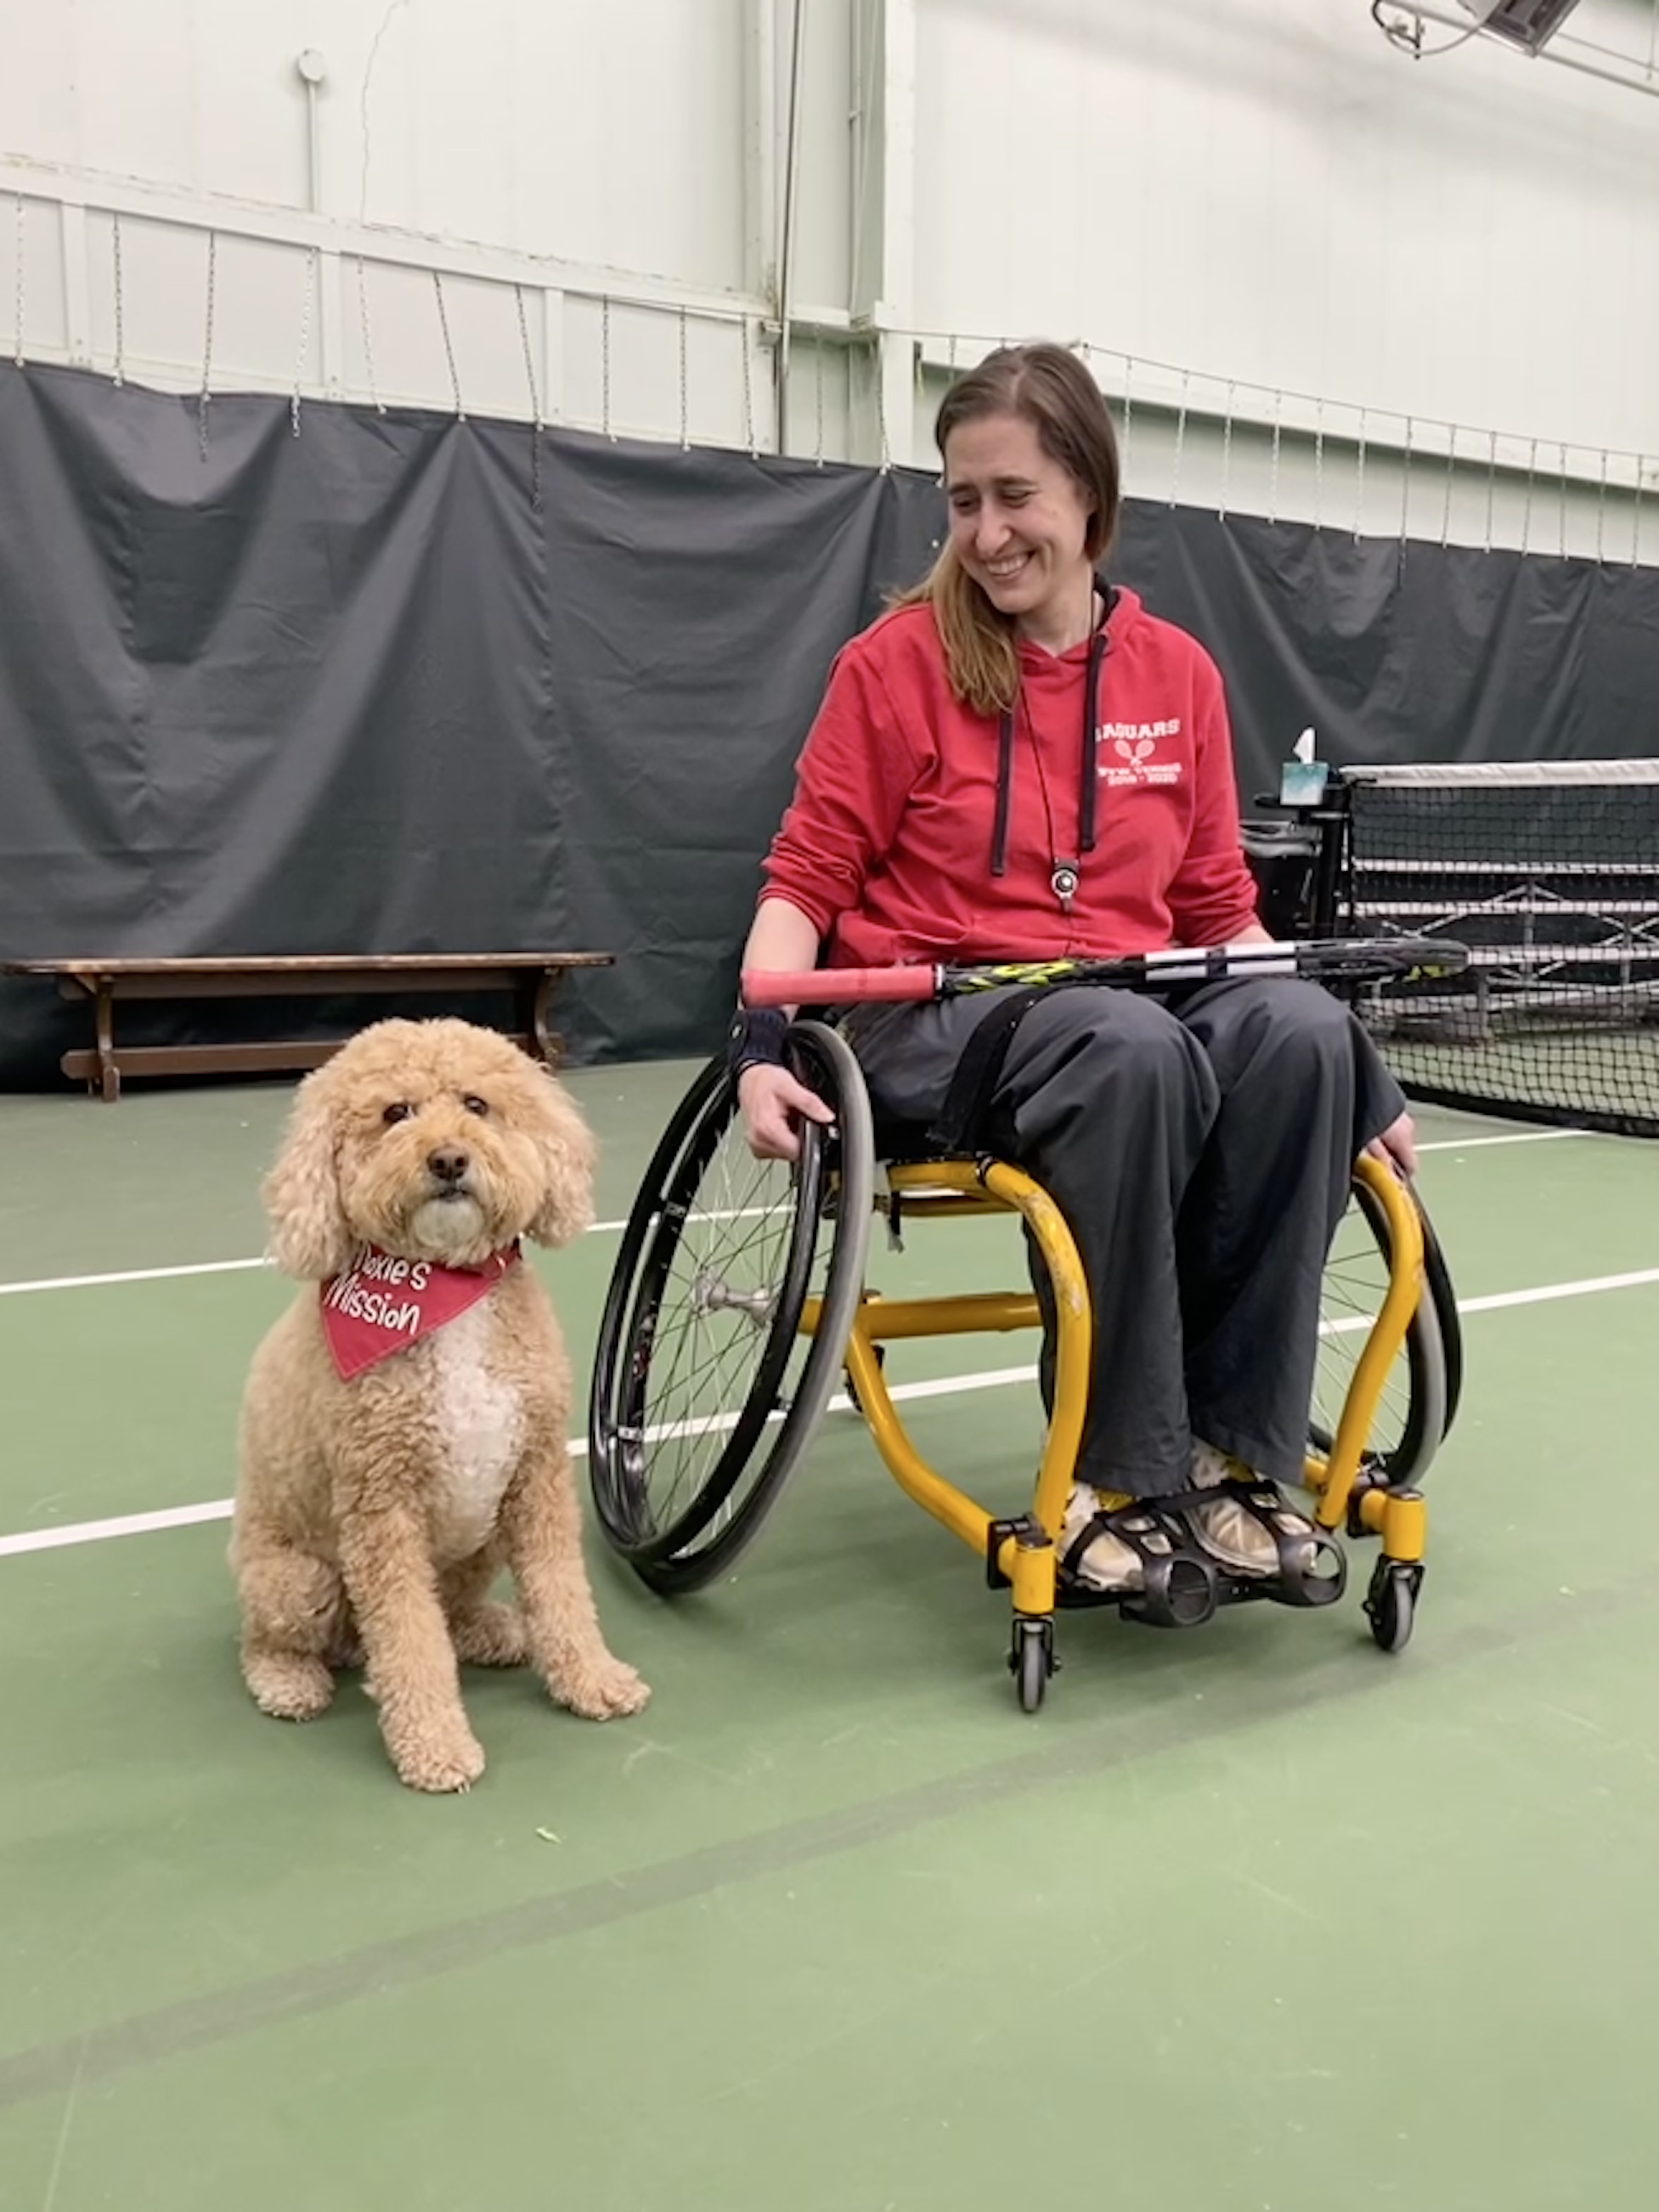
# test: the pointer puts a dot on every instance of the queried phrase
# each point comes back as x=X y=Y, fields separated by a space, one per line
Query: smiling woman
x=1019 y=762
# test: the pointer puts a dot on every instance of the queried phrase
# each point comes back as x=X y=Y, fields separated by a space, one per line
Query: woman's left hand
x=1398 y=1142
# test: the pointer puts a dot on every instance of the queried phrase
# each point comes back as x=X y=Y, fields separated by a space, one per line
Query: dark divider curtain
x=402 y=684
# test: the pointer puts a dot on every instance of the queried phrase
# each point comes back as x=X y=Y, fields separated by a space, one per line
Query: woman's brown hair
x=1048 y=386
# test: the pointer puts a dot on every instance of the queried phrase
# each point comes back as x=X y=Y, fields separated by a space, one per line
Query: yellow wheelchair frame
x=1025 y=1554
x=1355 y=1488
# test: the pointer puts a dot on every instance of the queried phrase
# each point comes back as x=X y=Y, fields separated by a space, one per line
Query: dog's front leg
x=541 y=1523
x=413 y=1676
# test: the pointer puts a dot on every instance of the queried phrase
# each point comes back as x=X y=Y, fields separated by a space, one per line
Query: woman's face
x=1018 y=519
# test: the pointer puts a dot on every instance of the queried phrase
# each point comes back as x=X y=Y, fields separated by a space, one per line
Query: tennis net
x=1549 y=872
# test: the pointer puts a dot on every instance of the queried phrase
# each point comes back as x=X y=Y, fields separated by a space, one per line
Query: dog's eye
x=475 y=1105
x=400 y=1112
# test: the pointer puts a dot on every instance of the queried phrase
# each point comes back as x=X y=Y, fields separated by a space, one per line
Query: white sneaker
x=1229 y=1532
x=1108 y=1564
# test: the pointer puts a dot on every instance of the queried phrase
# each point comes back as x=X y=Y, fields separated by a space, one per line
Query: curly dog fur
x=372 y=1515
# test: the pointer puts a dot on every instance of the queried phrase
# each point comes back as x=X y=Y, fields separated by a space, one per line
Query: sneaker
x=1108 y=1563
x=1229 y=1532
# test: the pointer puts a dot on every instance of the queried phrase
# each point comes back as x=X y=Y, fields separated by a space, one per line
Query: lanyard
x=1064 y=874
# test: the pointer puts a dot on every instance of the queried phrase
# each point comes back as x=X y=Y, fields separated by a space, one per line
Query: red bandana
x=381 y=1305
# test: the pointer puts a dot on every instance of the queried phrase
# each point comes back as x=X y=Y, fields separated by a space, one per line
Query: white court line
x=1550 y=1291
x=218 y=1509
x=129 y=1275
x=183 y=1516
x=1511 y=1137
x=616 y=1228
x=238 y=1267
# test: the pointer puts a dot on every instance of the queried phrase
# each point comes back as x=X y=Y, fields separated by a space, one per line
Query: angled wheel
x=706 y=1387
x=1391 y=1603
x=1419 y=1399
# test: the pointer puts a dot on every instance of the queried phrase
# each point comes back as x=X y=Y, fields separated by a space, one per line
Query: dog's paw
x=446 y=1766
x=604 y=1692
x=491 y=1635
x=287 y=1686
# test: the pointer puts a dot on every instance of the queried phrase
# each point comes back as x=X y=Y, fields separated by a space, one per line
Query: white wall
x=1254 y=211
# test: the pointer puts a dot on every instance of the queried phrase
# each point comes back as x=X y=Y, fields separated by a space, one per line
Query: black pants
x=1200 y=1147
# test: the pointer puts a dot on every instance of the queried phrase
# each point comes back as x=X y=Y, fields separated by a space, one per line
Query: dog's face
x=434 y=1141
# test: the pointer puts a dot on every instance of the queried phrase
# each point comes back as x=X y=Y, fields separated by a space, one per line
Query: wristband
x=755 y=1039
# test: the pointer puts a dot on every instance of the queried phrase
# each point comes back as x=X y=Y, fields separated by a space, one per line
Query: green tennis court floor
x=1253 y=1920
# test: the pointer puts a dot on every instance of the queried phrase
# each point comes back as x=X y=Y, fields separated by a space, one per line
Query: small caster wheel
x=1391 y=1602
x=1031 y=1661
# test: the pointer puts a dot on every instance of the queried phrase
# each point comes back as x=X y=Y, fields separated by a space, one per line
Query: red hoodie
x=887 y=845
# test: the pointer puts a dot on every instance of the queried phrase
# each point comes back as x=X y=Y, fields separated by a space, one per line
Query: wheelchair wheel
x=706 y=1390
x=1420 y=1397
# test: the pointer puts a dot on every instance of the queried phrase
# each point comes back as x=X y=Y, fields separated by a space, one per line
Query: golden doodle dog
x=403 y=1433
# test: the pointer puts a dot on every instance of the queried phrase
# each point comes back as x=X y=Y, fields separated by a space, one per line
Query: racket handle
x=764 y=986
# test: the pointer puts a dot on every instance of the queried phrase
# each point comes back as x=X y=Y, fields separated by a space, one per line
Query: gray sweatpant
x=1200 y=1145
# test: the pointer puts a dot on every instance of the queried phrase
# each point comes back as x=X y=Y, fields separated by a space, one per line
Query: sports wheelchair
x=739 y=1302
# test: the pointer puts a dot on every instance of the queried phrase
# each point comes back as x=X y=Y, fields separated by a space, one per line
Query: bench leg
x=104 y=1075
x=109 y=1072
x=548 y=1043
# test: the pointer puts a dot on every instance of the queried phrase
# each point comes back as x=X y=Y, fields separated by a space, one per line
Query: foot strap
x=1312 y=1568
x=1178 y=1583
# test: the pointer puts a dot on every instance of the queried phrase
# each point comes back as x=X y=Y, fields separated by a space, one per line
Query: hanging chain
x=1227 y=450
x=1359 y=483
x=1273 y=472
x=748 y=392
x=1319 y=467
x=1406 y=492
x=1561 y=520
x=17 y=349
x=1445 y=511
x=685 y=387
x=120 y=302
x=305 y=343
x=529 y=358
x=1601 y=513
x=1491 y=481
x=1525 y=513
x=1128 y=406
x=1636 y=516
x=1181 y=439
x=535 y=401
x=817 y=396
x=880 y=366
x=604 y=366
x=449 y=349
x=368 y=349
x=207 y=343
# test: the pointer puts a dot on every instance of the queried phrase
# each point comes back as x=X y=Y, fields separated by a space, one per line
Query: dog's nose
x=448 y=1163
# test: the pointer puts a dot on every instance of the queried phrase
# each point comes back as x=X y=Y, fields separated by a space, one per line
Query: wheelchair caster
x=1391 y=1602
x=1031 y=1661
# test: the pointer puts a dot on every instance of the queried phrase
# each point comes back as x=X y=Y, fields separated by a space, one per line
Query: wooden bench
x=529 y=978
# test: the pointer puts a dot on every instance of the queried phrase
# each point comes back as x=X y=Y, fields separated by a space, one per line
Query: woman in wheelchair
x=1018 y=761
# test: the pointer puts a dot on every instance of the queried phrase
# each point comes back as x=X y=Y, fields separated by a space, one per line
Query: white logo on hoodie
x=1132 y=758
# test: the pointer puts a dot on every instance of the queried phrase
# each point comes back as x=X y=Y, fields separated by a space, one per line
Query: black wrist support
x=755 y=1039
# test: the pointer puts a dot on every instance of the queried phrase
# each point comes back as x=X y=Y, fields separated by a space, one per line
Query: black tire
x=752 y=1389
x=1420 y=1397
x=1031 y=1662
x=1391 y=1604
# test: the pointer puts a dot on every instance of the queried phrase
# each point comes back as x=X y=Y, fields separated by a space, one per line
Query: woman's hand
x=771 y=1100
x=1398 y=1142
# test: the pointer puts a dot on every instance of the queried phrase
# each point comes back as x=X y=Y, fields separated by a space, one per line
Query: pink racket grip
x=840 y=986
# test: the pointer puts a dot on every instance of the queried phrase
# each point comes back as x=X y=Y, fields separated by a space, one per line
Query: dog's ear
x=310 y=1238
x=569 y=1155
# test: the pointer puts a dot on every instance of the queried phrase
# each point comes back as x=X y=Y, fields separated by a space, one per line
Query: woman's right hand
x=772 y=1100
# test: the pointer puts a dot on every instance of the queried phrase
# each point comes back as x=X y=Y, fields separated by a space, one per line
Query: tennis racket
x=1319 y=960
